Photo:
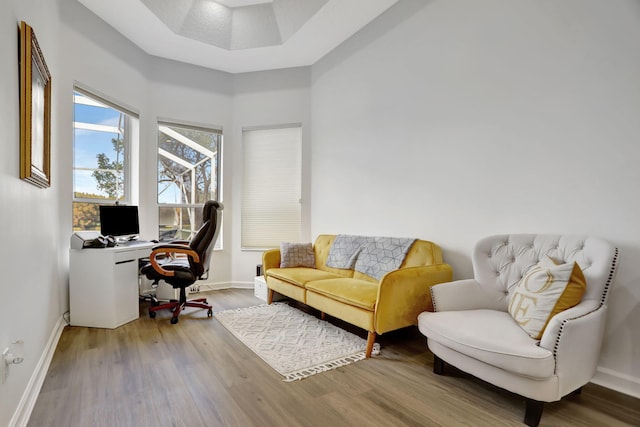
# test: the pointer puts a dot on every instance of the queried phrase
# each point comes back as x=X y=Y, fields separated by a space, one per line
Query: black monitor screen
x=119 y=220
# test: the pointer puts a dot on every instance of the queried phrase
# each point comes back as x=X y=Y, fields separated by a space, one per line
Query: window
x=188 y=176
x=271 y=210
x=102 y=134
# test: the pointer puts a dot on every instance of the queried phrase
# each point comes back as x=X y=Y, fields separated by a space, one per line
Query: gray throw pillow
x=297 y=255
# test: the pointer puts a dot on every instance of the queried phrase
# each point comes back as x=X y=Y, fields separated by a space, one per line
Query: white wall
x=34 y=271
x=265 y=99
x=453 y=120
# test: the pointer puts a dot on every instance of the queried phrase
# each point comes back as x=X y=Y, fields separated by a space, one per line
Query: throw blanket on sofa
x=373 y=256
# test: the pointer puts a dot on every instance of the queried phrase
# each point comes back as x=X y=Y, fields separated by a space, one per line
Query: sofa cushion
x=300 y=275
x=297 y=255
x=491 y=336
x=544 y=291
x=356 y=292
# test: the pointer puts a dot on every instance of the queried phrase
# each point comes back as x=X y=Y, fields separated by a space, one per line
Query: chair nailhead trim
x=612 y=272
x=433 y=300
x=605 y=292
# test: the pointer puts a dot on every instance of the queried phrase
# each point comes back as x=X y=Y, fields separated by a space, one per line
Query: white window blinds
x=271 y=211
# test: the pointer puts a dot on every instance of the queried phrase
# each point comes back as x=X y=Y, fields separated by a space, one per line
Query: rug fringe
x=327 y=366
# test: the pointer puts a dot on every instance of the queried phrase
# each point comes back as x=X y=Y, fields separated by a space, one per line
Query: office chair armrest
x=170 y=244
x=170 y=250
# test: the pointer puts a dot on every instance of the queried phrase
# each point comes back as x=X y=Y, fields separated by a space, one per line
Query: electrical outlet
x=4 y=367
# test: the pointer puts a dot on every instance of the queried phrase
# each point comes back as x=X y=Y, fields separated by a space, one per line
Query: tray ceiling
x=238 y=35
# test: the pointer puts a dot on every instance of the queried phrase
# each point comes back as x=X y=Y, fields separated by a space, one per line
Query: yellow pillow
x=544 y=291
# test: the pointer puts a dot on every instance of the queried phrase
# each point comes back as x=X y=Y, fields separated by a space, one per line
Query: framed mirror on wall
x=35 y=111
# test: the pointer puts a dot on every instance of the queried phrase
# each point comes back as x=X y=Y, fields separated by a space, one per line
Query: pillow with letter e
x=544 y=291
x=297 y=255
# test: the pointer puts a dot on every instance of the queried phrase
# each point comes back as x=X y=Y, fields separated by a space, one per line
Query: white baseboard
x=30 y=396
x=216 y=286
x=258 y=292
x=616 y=381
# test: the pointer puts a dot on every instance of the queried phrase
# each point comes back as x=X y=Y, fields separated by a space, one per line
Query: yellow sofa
x=391 y=303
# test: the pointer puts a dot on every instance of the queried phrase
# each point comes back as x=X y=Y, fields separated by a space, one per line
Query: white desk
x=103 y=285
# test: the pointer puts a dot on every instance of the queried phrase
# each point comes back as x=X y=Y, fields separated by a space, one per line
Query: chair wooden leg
x=269 y=295
x=323 y=315
x=371 y=339
x=533 y=412
x=576 y=392
x=438 y=365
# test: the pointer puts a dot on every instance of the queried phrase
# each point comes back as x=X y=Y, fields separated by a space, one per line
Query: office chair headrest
x=206 y=210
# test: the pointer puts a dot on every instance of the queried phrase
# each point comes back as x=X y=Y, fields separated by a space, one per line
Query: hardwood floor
x=195 y=373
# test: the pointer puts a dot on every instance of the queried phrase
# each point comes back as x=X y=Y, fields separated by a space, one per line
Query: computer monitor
x=119 y=221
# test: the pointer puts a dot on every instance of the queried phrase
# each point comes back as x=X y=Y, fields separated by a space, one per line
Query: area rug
x=295 y=344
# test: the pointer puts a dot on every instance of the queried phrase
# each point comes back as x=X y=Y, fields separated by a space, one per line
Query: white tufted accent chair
x=472 y=330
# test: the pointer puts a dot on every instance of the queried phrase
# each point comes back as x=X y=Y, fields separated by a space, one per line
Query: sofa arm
x=466 y=295
x=404 y=293
x=270 y=259
x=553 y=328
x=575 y=337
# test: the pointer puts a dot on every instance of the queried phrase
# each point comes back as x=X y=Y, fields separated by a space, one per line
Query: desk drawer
x=125 y=256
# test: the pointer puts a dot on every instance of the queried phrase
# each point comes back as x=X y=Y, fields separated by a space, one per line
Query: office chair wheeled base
x=177 y=306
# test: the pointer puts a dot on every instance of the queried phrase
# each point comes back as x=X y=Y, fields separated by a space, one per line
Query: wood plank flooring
x=151 y=373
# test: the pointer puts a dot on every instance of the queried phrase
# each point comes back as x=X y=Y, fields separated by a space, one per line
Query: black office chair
x=190 y=264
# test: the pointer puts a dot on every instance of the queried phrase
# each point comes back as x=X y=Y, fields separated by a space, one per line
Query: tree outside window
x=188 y=176
x=100 y=153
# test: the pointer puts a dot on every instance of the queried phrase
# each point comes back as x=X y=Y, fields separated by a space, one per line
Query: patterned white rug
x=294 y=343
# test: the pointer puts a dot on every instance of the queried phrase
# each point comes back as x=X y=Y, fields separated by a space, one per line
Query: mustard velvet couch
x=391 y=303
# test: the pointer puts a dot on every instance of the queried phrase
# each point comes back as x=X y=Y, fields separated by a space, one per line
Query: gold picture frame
x=35 y=111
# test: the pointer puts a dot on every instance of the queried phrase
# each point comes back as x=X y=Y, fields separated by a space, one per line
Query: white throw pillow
x=297 y=255
x=545 y=290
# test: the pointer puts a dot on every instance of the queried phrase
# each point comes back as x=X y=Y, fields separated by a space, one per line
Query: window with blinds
x=272 y=170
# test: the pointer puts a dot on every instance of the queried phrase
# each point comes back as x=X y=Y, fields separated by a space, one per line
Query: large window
x=101 y=157
x=272 y=170
x=188 y=176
